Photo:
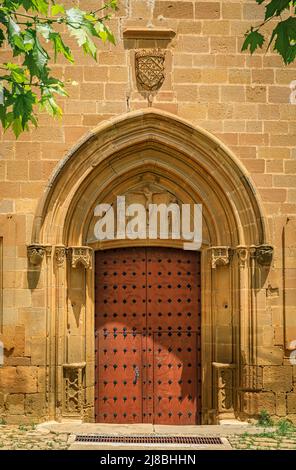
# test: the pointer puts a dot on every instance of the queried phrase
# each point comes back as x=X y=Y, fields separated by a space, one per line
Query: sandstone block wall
x=242 y=100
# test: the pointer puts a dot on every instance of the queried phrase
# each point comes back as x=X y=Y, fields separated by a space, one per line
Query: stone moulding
x=149 y=33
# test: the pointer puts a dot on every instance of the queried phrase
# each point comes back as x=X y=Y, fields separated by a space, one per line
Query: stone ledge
x=147 y=33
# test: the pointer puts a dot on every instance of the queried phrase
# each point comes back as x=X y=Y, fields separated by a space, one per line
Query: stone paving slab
x=132 y=429
x=61 y=436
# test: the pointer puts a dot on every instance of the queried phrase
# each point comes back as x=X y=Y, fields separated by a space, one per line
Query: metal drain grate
x=151 y=439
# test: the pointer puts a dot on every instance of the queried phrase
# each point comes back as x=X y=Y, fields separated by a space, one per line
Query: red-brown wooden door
x=148 y=336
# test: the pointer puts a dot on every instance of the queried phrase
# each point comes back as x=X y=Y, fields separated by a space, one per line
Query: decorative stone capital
x=81 y=255
x=220 y=255
x=60 y=255
x=243 y=254
x=36 y=254
x=264 y=254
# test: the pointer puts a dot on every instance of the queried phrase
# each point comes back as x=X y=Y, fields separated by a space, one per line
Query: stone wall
x=244 y=101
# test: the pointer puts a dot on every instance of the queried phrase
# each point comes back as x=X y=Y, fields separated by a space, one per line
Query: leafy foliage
x=283 y=37
x=264 y=419
x=31 y=30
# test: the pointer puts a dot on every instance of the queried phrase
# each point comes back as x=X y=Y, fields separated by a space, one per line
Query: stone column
x=223 y=338
x=60 y=327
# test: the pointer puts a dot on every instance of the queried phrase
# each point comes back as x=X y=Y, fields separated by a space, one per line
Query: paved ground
x=53 y=436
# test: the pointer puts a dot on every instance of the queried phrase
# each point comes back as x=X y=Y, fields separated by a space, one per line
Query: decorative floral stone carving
x=60 y=255
x=220 y=256
x=36 y=254
x=264 y=254
x=150 y=68
x=81 y=255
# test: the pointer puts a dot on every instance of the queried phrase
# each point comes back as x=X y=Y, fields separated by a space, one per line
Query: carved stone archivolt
x=220 y=255
x=81 y=255
x=150 y=71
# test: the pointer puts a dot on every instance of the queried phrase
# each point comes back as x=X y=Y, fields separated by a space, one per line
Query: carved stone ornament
x=242 y=253
x=220 y=256
x=150 y=68
x=264 y=255
x=81 y=255
x=60 y=254
x=36 y=254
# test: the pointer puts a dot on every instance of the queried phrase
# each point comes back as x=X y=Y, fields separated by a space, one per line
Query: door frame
x=199 y=356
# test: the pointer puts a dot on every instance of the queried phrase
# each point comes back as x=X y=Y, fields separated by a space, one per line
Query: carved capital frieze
x=243 y=255
x=220 y=255
x=81 y=255
x=264 y=254
x=60 y=255
x=36 y=254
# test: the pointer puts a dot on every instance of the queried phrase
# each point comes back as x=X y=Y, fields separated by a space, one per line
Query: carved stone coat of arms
x=150 y=68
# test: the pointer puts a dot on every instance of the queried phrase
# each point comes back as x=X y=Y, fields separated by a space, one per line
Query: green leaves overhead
x=86 y=26
x=285 y=39
x=31 y=30
x=283 y=36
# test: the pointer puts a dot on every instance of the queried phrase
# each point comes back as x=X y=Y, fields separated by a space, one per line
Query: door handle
x=137 y=375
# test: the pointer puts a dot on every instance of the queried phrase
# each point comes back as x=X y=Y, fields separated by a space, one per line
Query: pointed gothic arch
x=119 y=156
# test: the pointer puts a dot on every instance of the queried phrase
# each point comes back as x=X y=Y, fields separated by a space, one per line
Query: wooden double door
x=147 y=332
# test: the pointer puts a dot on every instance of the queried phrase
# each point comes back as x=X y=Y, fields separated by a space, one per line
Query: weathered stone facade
x=220 y=130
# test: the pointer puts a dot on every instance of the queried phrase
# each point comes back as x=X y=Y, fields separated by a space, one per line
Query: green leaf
x=60 y=47
x=44 y=29
x=40 y=5
x=57 y=9
x=17 y=126
x=17 y=73
x=29 y=40
x=48 y=103
x=112 y=4
x=285 y=38
x=81 y=29
x=253 y=40
x=23 y=106
x=275 y=7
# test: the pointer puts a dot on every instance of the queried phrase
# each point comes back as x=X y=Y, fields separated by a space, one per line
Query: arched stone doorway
x=152 y=149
